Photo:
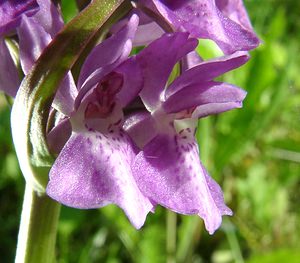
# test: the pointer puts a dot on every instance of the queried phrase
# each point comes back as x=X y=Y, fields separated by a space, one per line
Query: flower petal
x=203 y=19
x=94 y=170
x=141 y=128
x=191 y=60
x=157 y=61
x=235 y=10
x=147 y=30
x=109 y=52
x=11 y=12
x=59 y=135
x=33 y=40
x=32 y=34
x=9 y=78
x=147 y=33
x=205 y=93
x=132 y=81
x=49 y=17
x=169 y=172
x=207 y=70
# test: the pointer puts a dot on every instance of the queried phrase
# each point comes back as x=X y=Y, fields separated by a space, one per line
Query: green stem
x=171 y=236
x=38 y=227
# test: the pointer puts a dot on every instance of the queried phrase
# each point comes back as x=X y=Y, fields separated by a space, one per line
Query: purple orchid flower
x=167 y=169
x=93 y=168
x=224 y=21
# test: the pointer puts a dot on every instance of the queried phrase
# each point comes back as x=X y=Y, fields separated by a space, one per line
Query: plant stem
x=171 y=236
x=38 y=227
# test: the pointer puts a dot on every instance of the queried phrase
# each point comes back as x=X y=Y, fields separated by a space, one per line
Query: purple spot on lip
x=177 y=170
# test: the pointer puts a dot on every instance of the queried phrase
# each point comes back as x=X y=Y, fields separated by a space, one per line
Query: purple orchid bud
x=12 y=11
x=167 y=169
x=224 y=21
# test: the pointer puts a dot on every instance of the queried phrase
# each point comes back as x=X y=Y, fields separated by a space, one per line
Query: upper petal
x=191 y=60
x=32 y=40
x=235 y=10
x=132 y=81
x=94 y=170
x=147 y=33
x=207 y=70
x=32 y=34
x=203 y=19
x=169 y=172
x=206 y=95
x=157 y=61
x=105 y=57
x=11 y=12
x=49 y=17
x=109 y=51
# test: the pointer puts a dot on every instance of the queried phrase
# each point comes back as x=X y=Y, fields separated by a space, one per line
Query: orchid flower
x=224 y=21
x=93 y=168
x=167 y=169
x=151 y=157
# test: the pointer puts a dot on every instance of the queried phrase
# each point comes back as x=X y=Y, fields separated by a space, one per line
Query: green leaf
x=36 y=93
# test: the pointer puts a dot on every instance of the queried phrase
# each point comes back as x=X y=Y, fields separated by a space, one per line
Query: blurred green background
x=254 y=153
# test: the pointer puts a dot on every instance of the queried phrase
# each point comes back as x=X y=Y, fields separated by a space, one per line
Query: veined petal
x=169 y=172
x=106 y=57
x=205 y=93
x=11 y=12
x=157 y=61
x=207 y=70
x=9 y=78
x=147 y=33
x=109 y=51
x=94 y=170
x=132 y=81
x=33 y=39
x=191 y=60
x=31 y=34
x=147 y=30
x=49 y=17
x=59 y=135
x=203 y=19
x=141 y=128
x=235 y=10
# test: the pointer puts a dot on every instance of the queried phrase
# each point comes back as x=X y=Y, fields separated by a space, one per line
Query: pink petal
x=206 y=95
x=169 y=172
x=157 y=61
x=9 y=78
x=207 y=70
x=203 y=19
x=94 y=170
